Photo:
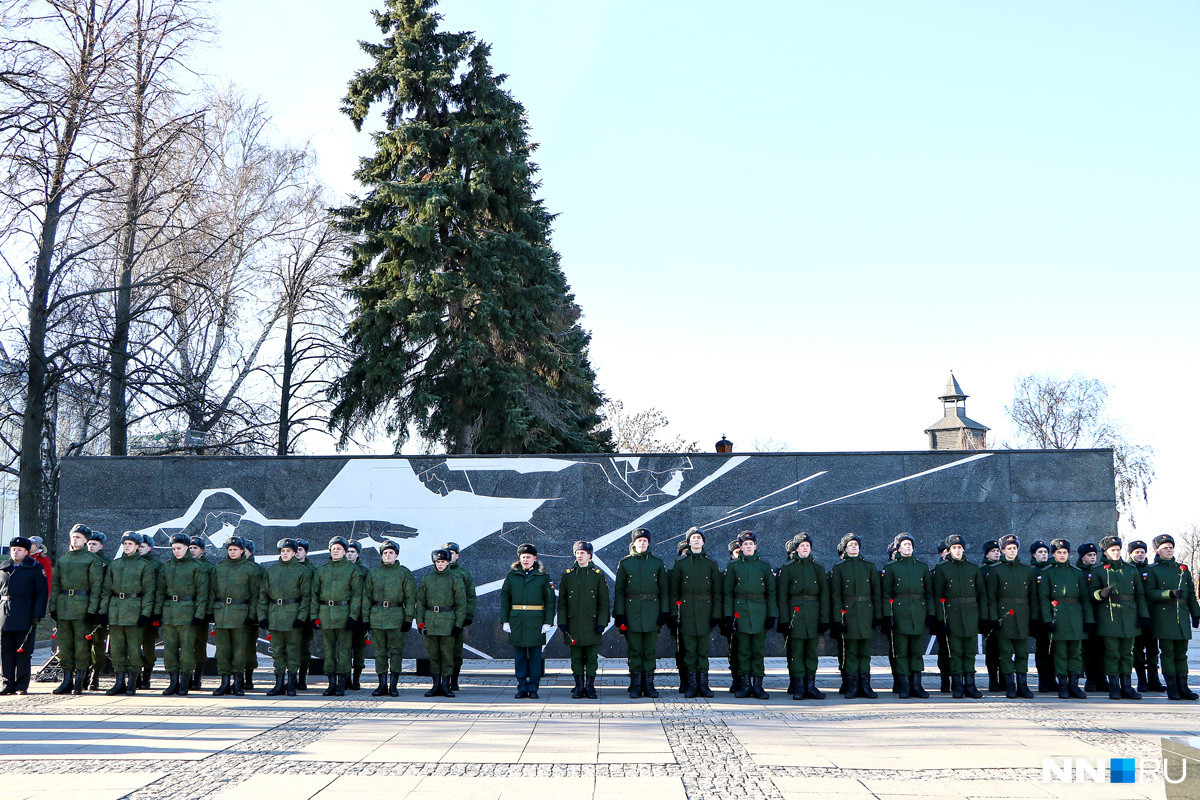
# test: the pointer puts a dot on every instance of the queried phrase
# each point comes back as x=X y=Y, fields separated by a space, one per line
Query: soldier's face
x=852 y=548
x=78 y=540
x=993 y=554
x=696 y=542
x=352 y=555
x=1089 y=559
x=196 y=550
x=1061 y=556
x=440 y=565
x=286 y=554
x=93 y=546
x=144 y=549
x=389 y=556
x=1113 y=553
x=301 y=554
x=453 y=556
x=527 y=560
x=1010 y=551
x=179 y=549
x=336 y=552
x=583 y=557
x=749 y=547
x=1166 y=551
x=1041 y=555
x=235 y=552
x=804 y=549
x=129 y=547
x=1138 y=556
x=641 y=544
x=905 y=548
x=956 y=551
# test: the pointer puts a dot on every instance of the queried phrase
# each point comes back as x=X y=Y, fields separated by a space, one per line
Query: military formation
x=1102 y=619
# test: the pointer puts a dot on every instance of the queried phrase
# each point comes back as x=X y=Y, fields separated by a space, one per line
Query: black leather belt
x=1067 y=601
x=127 y=595
x=229 y=601
x=282 y=602
x=439 y=609
x=641 y=597
x=73 y=592
x=387 y=604
x=335 y=602
x=858 y=598
x=1018 y=601
x=909 y=596
x=758 y=596
x=181 y=598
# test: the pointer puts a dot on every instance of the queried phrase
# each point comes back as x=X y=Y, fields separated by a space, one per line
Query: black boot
x=436 y=691
x=635 y=685
x=277 y=689
x=589 y=687
x=119 y=686
x=1181 y=680
x=1064 y=690
x=956 y=687
x=1153 y=684
x=1102 y=684
x=239 y=685
x=68 y=683
x=994 y=682
x=184 y=679
x=756 y=688
x=792 y=679
x=1023 y=686
x=648 y=685
x=798 y=688
x=947 y=686
x=223 y=688
x=1127 y=690
x=969 y=687
x=735 y=681
x=702 y=690
x=80 y=681
x=198 y=678
x=1073 y=687
x=291 y=684
x=172 y=684
x=577 y=692
x=845 y=684
x=380 y=690
x=146 y=673
x=94 y=682
x=864 y=686
x=356 y=680
x=331 y=689
x=1088 y=684
x=1142 y=684
x=811 y=692
x=302 y=677
x=248 y=679
x=851 y=686
x=393 y=679
x=1010 y=686
x=1172 y=687
x=918 y=690
x=692 y=686
x=130 y=684
x=1114 y=687
x=683 y=679
x=453 y=681
x=743 y=689
x=339 y=684
x=903 y=687
x=448 y=692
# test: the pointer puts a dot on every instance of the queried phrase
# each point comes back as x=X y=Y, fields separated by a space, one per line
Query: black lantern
x=724 y=446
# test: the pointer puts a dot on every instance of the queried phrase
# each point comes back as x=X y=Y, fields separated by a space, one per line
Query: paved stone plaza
x=485 y=745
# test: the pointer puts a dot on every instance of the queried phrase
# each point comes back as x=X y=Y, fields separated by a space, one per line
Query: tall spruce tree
x=464 y=327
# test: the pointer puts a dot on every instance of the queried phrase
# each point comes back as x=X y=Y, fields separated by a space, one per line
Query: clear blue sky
x=792 y=219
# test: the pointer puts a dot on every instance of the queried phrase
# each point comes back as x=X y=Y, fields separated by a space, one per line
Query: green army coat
x=363 y=572
x=157 y=566
x=695 y=581
x=78 y=581
x=527 y=588
x=234 y=590
x=441 y=603
x=1012 y=596
x=389 y=597
x=1170 y=618
x=464 y=575
x=1063 y=597
x=802 y=597
x=749 y=594
x=1117 y=616
x=959 y=595
x=336 y=594
x=855 y=597
x=286 y=581
x=583 y=604
x=641 y=592
x=906 y=594
x=207 y=566
x=129 y=576
x=178 y=579
x=1035 y=613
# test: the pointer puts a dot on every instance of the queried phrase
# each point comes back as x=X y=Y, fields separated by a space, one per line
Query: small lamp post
x=724 y=446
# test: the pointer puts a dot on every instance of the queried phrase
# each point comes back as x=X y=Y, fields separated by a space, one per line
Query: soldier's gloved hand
x=840 y=627
x=210 y=618
x=421 y=628
x=54 y=616
x=770 y=623
x=1195 y=621
x=197 y=621
x=143 y=621
x=885 y=625
x=1175 y=594
x=298 y=623
x=547 y=628
x=468 y=621
x=1143 y=622
x=930 y=619
x=1089 y=627
x=316 y=624
x=599 y=630
x=1049 y=626
x=366 y=626
x=822 y=627
x=662 y=618
x=262 y=623
x=455 y=631
x=506 y=628
x=350 y=624
x=672 y=623
x=713 y=622
x=1105 y=592
x=407 y=626
x=783 y=628
x=104 y=620
x=563 y=628
x=249 y=622
x=156 y=620
x=90 y=618
x=622 y=621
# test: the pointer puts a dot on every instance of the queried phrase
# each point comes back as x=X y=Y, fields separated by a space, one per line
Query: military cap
x=734 y=545
x=441 y=554
x=197 y=541
x=990 y=545
x=451 y=546
x=639 y=533
x=954 y=539
x=181 y=538
x=687 y=535
x=891 y=551
x=236 y=541
x=290 y=544
x=900 y=537
x=1162 y=539
x=1110 y=541
x=747 y=536
x=942 y=547
x=249 y=545
x=801 y=538
x=846 y=540
x=354 y=545
x=790 y=545
x=1059 y=544
x=302 y=544
x=20 y=541
x=1137 y=544
x=97 y=536
x=78 y=528
x=1009 y=538
x=526 y=549
x=131 y=536
x=680 y=547
x=582 y=545
x=1085 y=548
x=339 y=540
x=148 y=539
x=390 y=545
x=1038 y=545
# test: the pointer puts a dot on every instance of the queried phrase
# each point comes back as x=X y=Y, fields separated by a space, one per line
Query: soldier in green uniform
x=150 y=632
x=128 y=600
x=943 y=647
x=250 y=643
x=735 y=680
x=441 y=610
x=310 y=626
x=284 y=603
x=802 y=607
x=197 y=549
x=389 y=606
x=337 y=598
x=464 y=575
x=75 y=608
x=358 y=637
x=1120 y=613
x=583 y=613
x=855 y=599
x=527 y=615
x=234 y=598
x=1066 y=614
x=1039 y=553
x=991 y=645
x=1012 y=593
x=673 y=622
x=1145 y=644
x=750 y=604
x=183 y=594
x=695 y=595
x=1093 y=648
x=961 y=603
x=1172 y=598
x=890 y=553
x=97 y=646
x=642 y=596
x=789 y=555
x=906 y=594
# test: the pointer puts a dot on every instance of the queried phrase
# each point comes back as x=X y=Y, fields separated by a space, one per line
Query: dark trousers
x=802 y=656
x=250 y=643
x=306 y=637
x=1042 y=659
x=16 y=665
x=201 y=645
x=99 y=658
x=1118 y=655
x=358 y=646
x=529 y=668
x=1174 y=656
x=584 y=659
x=856 y=655
x=991 y=653
x=641 y=650
x=943 y=654
x=962 y=654
x=1014 y=655
x=149 y=636
x=1145 y=650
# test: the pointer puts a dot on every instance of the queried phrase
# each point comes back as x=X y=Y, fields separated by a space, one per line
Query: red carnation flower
x=795 y=608
x=736 y=615
x=268 y=637
x=365 y=641
x=1010 y=612
x=678 y=602
x=1053 y=602
x=212 y=633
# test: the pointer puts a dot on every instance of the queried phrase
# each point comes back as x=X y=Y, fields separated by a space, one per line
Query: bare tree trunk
x=285 y=392
x=29 y=498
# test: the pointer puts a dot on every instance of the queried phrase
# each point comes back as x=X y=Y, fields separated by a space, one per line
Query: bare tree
x=1187 y=546
x=1056 y=413
x=769 y=444
x=638 y=432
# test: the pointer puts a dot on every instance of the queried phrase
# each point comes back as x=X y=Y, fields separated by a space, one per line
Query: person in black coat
x=23 y=598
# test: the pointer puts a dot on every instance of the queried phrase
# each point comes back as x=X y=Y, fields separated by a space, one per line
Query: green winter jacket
x=389 y=597
x=337 y=594
x=78 y=581
x=1035 y=613
x=182 y=591
x=583 y=604
x=468 y=581
x=532 y=589
x=906 y=595
x=441 y=603
x=1170 y=618
x=749 y=594
x=291 y=583
x=1118 y=615
x=960 y=596
x=802 y=597
x=208 y=569
x=696 y=593
x=1012 y=597
x=1064 y=601
x=157 y=566
x=233 y=587
x=854 y=598
x=642 y=592
x=125 y=577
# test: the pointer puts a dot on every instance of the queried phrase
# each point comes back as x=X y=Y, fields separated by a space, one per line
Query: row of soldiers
x=134 y=600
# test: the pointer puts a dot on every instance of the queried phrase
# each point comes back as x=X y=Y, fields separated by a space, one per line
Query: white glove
x=546 y=629
x=506 y=628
